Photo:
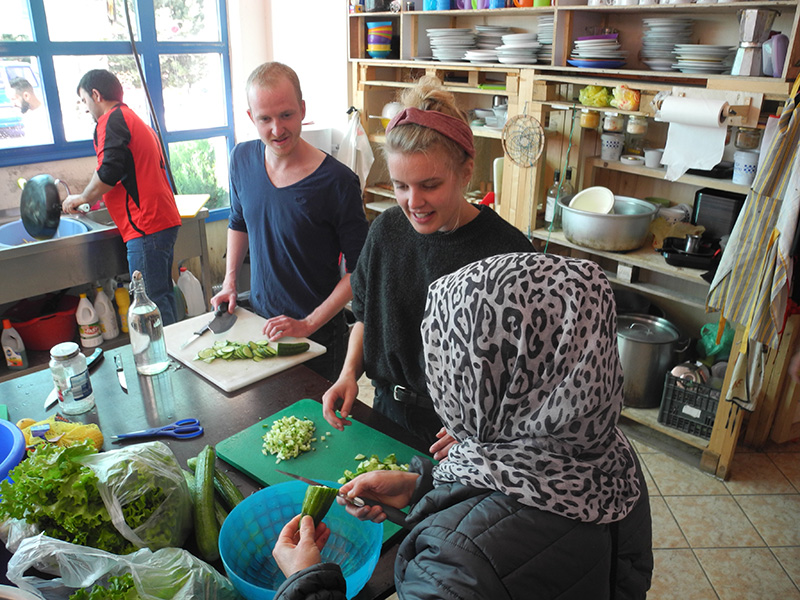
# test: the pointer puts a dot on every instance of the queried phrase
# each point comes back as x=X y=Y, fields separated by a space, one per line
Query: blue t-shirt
x=295 y=233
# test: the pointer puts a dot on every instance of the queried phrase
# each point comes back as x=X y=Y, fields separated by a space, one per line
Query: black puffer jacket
x=469 y=543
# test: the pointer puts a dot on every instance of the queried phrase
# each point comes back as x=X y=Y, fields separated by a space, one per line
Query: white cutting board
x=231 y=375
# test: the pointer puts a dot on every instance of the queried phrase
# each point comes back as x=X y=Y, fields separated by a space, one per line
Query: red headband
x=450 y=127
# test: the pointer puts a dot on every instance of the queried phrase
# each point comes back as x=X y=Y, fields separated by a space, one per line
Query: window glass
x=24 y=120
x=187 y=20
x=89 y=20
x=201 y=167
x=79 y=124
x=15 y=25
x=194 y=97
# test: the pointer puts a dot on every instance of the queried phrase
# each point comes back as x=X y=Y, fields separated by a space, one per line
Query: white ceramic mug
x=652 y=157
x=745 y=164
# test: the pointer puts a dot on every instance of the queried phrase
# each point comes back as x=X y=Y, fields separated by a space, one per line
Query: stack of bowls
x=379 y=39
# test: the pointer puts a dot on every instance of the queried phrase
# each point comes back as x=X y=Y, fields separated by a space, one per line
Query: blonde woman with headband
x=433 y=231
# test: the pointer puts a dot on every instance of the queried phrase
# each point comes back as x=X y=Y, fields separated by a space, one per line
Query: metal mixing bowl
x=625 y=229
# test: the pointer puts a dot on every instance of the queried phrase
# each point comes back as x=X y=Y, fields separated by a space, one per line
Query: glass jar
x=590 y=119
x=637 y=125
x=613 y=122
x=71 y=378
x=747 y=138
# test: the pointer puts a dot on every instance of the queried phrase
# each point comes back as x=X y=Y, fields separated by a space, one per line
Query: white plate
x=517 y=60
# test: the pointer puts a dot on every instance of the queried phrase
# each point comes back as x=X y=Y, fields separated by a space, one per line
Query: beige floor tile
x=678 y=576
x=789 y=465
x=746 y=574
x=713 y=522
x=777 y=518
x=793 y=446
x=666 y=533
x=675 y=478
x=790 y=559
x=757 y=474
x=652 y=488
x=642 y=448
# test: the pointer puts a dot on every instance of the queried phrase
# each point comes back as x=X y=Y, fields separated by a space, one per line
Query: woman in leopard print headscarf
x=522 y=365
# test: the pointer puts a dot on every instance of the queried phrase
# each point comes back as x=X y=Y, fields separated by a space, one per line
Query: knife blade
x=219 y=312
x=121 y=373
x=395 y=515
x=93 y=359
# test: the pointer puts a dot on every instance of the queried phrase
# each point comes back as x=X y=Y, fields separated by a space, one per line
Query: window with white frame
x=47 y=45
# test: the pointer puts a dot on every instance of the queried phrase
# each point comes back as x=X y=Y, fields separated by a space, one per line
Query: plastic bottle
x=192 y=292
x=146 y=331
x=71 y=378
x=106 y=314
x=552 y=193
x=180 y=302
x=13 y=348
x=123 y=298
x=88 y=323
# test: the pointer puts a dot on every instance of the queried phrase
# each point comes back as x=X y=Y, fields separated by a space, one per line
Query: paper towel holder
x=736 y=115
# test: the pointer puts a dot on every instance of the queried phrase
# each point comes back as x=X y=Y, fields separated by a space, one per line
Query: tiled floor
x=722 y=540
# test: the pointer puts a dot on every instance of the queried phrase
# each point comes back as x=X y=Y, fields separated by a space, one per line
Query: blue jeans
x=152 y=256
x=332 y=335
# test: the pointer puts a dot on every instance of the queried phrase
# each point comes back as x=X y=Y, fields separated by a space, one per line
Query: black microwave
x=717 y=211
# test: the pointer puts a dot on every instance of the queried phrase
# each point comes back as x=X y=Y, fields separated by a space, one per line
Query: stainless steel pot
x=625 y=229
x=648 y=347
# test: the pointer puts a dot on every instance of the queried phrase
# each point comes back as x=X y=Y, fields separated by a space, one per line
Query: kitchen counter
x=180 y=393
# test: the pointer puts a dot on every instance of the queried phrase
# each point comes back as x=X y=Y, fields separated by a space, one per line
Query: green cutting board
x=328 y=459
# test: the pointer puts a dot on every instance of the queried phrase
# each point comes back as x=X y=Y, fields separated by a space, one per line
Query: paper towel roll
x=696 y=136
x=694 y=111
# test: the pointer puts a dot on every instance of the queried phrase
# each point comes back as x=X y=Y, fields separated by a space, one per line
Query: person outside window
x=297 y=210
x=35 y=120
x=131 y=179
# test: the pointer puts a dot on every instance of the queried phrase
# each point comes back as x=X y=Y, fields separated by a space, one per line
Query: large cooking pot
x=40 y=205
x=625 y=229
x=648 y=347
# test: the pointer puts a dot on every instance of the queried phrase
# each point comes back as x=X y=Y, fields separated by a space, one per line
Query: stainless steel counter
x=40 y=267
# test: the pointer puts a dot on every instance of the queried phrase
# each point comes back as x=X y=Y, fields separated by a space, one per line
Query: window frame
x=149 y=48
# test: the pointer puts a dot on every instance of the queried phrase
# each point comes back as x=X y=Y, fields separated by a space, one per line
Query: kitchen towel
x=696 y=135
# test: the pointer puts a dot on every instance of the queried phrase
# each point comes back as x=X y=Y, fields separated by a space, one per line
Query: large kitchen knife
x=395 y=515
x=222 y=321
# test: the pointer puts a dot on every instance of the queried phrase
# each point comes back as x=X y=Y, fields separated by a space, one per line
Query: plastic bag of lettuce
x=82 y=573
x=116 y=501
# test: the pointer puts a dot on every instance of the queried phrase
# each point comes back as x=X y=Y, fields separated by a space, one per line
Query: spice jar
x=590 y=119
x=71 y=378
x=613 y=122
x=747 y=138
x=637 y=125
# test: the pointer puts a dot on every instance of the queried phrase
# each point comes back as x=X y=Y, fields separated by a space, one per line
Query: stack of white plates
x=703 y=58
x=545 y=33
x=659 y=38
x=519 y=48
x=598 y=51
x=451 y=44
x=490 y=36
x=481 y=56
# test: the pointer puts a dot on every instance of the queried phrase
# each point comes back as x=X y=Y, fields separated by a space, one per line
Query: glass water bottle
x=146 y=330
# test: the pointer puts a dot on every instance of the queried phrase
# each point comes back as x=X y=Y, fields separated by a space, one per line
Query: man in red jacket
x=132 y=181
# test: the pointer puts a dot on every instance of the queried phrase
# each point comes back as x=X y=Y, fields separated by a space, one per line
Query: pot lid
x=647 y=329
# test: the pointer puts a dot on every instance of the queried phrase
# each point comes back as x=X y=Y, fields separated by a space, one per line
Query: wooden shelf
x=716 y=7
x=649 y=418
x=698 y=180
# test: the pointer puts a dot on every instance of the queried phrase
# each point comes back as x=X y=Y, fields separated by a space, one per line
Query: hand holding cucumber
x=283 y=326
x=299 y=544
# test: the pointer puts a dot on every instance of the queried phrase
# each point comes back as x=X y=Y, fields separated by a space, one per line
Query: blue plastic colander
x=251 y=529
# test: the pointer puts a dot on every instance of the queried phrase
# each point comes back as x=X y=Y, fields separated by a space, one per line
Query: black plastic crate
x=688 y=406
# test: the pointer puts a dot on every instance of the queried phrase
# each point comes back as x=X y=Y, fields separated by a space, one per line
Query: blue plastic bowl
x=12 y=447
x=249 y=533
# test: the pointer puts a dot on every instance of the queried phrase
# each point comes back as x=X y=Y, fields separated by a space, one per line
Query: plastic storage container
x=71 y=378
x=146 y=331
x=106 y=314
x=192 y=293
x=13 y=348
x=88 y=323
x=688 y=406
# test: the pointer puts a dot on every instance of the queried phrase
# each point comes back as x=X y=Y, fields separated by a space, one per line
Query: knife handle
x=395 y=515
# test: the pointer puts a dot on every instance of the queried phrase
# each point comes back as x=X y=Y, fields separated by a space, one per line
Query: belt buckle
x=395 y=390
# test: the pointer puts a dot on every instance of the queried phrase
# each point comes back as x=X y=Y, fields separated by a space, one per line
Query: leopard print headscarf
x=523 y=369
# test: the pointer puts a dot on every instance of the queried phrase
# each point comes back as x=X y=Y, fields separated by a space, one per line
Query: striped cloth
x=750 y=287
